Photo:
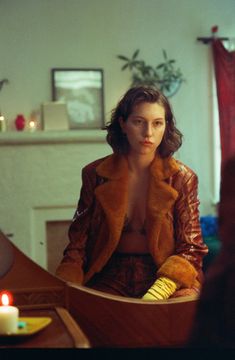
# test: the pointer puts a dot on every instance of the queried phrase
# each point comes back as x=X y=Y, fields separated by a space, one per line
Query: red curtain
x=224 y=63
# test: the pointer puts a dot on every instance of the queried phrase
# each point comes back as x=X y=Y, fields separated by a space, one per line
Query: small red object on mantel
x=20 y=122
x=214 y=29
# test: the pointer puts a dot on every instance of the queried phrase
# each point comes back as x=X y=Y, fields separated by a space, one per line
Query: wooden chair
x=115 y=321
x=106 y=320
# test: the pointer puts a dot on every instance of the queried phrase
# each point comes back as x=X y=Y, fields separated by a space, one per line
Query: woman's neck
x=138 y=163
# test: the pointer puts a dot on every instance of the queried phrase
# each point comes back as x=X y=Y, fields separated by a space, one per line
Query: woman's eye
x=137 y=122
x=157 y=123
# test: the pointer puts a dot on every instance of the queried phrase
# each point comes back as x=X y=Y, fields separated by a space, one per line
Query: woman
x=136 y=231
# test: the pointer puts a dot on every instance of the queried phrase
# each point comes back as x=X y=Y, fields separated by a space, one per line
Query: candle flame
x=6 y=298
x=32 y=123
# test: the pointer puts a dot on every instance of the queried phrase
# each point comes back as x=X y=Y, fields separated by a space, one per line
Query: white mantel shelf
x=52 y=137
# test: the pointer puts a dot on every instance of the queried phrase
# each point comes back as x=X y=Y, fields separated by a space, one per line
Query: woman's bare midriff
x=133 y=242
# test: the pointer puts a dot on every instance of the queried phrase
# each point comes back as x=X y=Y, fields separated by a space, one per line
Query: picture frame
x=82 y=89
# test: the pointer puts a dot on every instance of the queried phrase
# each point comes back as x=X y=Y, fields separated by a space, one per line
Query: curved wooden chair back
x=30 y=284
x=6 y=256
x=114 y=321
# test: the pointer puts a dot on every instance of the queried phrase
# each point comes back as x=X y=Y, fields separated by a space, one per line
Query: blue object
x=209 y=225
x=21 y=324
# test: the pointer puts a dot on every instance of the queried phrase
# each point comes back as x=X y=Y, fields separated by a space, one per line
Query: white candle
x=32 y=125
x=2 y=123
x=8 y=316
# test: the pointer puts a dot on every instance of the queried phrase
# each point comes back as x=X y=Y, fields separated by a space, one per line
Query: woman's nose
x=148 y=130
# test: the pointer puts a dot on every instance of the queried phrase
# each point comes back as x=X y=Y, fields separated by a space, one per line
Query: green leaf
x=122 y=57
x=125 y=66
x=135 y=54
x=164 y=54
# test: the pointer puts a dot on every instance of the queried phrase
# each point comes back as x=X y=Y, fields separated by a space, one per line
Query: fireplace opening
x=57 y=240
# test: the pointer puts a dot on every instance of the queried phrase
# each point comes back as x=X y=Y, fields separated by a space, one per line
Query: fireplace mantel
x=52 y=137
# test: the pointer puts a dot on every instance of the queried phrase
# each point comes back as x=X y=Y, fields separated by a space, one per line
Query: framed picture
x=83 y=92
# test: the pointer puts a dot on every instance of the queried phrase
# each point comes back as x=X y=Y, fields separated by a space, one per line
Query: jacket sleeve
x=71 y=266
x=185 y=266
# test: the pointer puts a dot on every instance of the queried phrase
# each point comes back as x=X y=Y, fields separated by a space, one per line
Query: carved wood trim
x=38 y=297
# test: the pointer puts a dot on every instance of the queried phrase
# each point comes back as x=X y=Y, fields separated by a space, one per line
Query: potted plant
x=164 y=76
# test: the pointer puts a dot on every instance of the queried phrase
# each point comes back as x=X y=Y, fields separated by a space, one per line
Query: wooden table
x=62 y=332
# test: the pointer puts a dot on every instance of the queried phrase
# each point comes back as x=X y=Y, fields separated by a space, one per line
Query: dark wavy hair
x=172 y=138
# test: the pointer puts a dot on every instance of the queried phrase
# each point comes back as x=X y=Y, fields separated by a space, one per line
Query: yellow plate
x=32 y=326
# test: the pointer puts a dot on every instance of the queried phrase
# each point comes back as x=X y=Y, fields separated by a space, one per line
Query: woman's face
x=145 y=128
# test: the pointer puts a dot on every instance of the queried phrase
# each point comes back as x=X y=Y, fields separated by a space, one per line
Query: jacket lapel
x=161 y=198
x=113 y=193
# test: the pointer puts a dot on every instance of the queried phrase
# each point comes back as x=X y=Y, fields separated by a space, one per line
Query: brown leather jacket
x=172 y=221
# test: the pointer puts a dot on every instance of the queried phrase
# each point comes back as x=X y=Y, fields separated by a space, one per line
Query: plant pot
x=173 y=88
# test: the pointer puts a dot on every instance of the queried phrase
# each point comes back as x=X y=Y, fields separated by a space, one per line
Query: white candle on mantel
x=8 y=316
x=2 y=123
x=32 y=125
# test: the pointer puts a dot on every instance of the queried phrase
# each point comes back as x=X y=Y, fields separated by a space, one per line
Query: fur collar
x=115 y=167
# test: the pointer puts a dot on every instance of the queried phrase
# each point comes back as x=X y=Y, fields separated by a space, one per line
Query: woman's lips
x=146 y=143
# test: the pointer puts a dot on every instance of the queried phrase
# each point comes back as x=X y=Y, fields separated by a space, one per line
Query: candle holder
x=14 y=326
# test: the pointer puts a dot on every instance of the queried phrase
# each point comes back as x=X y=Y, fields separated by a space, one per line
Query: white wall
x=37 y=35
x=40 y=181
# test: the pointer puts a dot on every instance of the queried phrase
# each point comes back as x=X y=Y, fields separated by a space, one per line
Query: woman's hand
x=161 y=289
x=185 y=292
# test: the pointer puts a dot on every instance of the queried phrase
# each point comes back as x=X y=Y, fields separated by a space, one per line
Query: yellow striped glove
x=162 y=289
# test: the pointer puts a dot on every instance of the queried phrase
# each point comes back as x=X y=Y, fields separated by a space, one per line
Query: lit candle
x=32 y=125
x=2 y=123
x=8 y=315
